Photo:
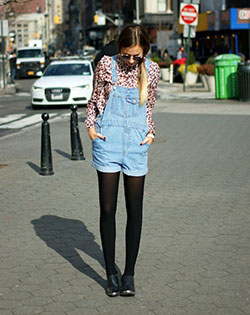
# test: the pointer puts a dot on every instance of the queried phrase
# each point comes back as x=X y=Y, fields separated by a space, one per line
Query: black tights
x=108 y=191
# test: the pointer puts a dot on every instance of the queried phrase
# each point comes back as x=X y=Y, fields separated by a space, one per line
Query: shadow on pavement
x=35 y=167
x=64 y=154
x=66 y=236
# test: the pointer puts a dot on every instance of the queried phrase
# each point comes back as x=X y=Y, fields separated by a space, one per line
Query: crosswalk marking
x=6 y=119
x=23 y=122
x=23 y=94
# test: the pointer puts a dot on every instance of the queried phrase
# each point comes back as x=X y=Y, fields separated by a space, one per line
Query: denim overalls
x=124 y=125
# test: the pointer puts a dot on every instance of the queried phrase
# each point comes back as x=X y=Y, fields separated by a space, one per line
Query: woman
x=119 y=123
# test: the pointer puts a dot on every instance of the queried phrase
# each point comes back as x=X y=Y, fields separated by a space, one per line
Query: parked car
x=64 y=82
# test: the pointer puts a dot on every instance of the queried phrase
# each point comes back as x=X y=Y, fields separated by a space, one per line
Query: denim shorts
x=121 y=151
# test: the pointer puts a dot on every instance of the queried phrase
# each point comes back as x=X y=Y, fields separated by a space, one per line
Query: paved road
x=16 y=112
x=194 y=256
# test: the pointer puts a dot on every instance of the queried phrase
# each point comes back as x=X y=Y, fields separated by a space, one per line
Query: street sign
x=189 y=14
x=192 y=31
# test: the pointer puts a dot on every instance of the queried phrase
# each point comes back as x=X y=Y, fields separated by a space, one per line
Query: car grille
x=62 y=93
x=26 y=66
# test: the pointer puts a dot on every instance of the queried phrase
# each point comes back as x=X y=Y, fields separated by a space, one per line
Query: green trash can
x=226 y=81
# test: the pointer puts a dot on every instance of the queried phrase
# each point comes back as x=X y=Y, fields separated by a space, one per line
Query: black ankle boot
x=128 y=286
x=113 y=288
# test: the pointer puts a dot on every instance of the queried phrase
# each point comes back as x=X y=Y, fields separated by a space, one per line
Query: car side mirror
x=39 y=73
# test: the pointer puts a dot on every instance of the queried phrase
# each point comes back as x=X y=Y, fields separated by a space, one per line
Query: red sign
x=188 y=14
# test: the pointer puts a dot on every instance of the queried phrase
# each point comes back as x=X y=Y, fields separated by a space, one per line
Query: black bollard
x=76 y=145
x=46 y=156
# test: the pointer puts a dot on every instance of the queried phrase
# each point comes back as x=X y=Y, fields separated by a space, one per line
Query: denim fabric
x=124 y=125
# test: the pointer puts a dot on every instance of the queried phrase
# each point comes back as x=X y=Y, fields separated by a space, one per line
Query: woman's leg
x=108 y=191
x=134 y=188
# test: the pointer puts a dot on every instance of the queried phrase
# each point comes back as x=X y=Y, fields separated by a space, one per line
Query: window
x=27 y=53
x=165 y=6
x=68 y=69
x=162 y=5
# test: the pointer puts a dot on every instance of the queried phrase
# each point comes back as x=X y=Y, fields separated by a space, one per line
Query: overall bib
x=124 y=125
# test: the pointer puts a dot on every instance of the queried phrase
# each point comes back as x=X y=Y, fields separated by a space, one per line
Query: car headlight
x=81 y=87
x=37 y=88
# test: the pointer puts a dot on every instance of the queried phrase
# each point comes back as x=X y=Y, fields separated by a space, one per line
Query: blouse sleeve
x=154 y=74
x=98 y=93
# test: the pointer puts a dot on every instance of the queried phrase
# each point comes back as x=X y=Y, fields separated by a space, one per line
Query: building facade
x=223 y=27
x=36 y=19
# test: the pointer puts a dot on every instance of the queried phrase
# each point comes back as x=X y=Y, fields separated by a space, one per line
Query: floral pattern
x=126 y=77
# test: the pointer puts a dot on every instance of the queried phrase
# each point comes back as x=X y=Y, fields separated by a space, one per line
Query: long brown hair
x=133 y=35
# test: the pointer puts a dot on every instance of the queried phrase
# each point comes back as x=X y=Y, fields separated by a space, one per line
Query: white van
x=29 y=61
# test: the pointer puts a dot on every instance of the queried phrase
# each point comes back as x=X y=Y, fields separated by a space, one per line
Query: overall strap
x=114 y=74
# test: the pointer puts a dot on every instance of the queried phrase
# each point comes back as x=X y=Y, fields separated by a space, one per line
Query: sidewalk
x=194 y=255
x=9 y=90
x=196 y=100
x=196 y=91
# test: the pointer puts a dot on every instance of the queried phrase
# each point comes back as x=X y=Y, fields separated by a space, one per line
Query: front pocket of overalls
x=124 y=107
x=133 y=107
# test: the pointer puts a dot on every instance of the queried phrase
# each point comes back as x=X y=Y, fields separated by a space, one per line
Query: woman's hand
x=93 y=134
x=148 y=139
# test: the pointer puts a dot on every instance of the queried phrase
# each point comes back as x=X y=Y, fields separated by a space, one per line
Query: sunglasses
x=135 y=58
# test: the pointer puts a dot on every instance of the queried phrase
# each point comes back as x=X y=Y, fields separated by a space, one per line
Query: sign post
x=189 y=17
x=3 y=33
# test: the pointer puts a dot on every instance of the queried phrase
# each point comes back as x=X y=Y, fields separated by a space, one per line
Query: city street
x=16 y=112
x=194 y=255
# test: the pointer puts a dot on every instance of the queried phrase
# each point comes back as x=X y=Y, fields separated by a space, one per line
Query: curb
x=9 y=90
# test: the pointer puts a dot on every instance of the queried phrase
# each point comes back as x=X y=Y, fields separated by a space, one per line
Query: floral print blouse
x=126 y=77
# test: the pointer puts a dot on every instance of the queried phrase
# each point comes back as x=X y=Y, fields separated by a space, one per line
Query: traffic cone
x=46 y=156
x=76 y=145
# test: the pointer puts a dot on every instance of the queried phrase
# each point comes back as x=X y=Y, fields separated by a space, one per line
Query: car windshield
x=27 y=53
x=68 y=69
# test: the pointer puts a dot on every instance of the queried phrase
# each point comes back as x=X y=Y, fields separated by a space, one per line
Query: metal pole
x=137 y=12
x=48 y=26
x=236 y=44
x=249 y=40
x=187 y=60
x=188 y=50
x=3 y=53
